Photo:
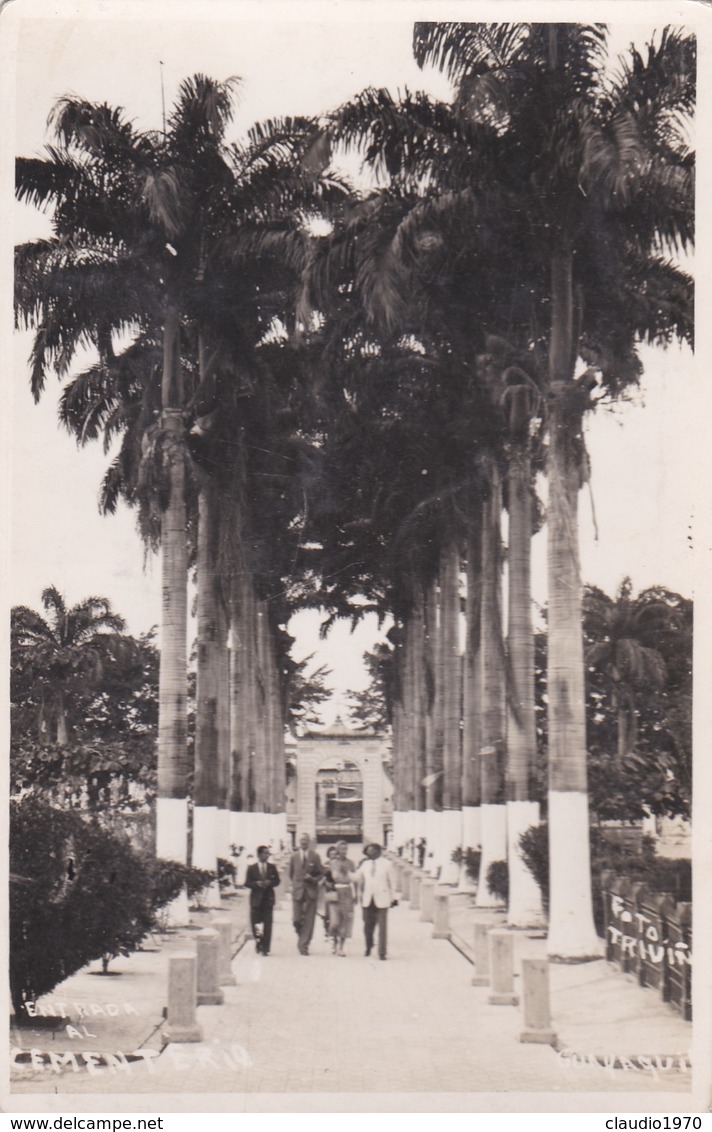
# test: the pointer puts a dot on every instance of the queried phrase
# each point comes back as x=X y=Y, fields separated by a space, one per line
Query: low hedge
x=660 y=874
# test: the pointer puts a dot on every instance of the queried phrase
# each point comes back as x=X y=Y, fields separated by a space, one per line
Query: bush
x=77 y=894
x=169 y=878
x=226 y=873
x=472 y=859
x=534 y=846
x=498 y=880
x=639 y=864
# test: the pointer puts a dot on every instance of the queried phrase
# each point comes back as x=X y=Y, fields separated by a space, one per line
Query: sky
x=645 y=455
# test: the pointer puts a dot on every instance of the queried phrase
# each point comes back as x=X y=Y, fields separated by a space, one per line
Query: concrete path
x=321 y=1026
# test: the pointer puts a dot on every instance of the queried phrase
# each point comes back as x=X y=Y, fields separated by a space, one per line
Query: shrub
x=226 y=872
x=639 y=864
x=169 y=878
x=472 y=859
x=78 y=893
x=534 y=846
x=498 y=880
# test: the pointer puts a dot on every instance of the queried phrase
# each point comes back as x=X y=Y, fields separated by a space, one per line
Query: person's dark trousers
x=304 y=915
x=262 y=916
x=373 y=916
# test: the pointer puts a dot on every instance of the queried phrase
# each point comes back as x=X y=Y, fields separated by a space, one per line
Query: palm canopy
x=628 y=639
x=217 y=230
x=69 y=648
x=141 y=217
x=542 y=149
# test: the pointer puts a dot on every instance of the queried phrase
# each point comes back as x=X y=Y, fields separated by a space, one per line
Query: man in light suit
x=305 y=871
x=262 y=878
x=376 y=886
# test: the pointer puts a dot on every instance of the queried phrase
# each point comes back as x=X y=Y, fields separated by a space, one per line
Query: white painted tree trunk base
x=177 y=914
x=572 y=933
x=451 y=839
x=493 y=821
x=471 y=839
x=172 y=845
x=172 y=829
x=471 y=827
x=430 y=834
x=223 y=838
x=525 y=907
x=205 y=855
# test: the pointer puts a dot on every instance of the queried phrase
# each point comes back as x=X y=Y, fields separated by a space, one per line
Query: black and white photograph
x=355 y=507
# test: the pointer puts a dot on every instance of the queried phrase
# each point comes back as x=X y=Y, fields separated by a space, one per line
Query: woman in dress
x=341 y=911
x=326 y=892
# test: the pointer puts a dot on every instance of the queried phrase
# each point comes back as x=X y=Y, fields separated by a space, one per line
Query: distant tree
x=656 y=774
x=373 y=707
x=111 y=721
x=306 y=691
x=57 y=657
x=623 y=641
x=639 y=700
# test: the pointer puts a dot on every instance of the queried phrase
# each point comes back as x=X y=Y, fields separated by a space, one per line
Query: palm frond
x=202 y=110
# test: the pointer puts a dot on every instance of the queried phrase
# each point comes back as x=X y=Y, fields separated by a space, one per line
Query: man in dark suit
x=305 y=871
x=262 y=878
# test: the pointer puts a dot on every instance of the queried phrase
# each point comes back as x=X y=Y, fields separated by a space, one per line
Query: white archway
x=365 y=751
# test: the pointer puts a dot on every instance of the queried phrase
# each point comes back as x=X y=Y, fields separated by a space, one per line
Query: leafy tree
x=78 y=893
x=372 y=708
x=307 y=690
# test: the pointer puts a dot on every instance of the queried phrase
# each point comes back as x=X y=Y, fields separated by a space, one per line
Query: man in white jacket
x=376 y=888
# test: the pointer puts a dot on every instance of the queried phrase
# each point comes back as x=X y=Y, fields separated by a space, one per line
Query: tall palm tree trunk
x=525 y=909
x=572 y=934
x=472 y=694
x=236 y=695
x=493 y=810
x=278 y=723
x=431 y=709
x=206 y=773
x=263 y=800
x=452 y=706
x=224 y=762
x=172 y=804
x=403 y=731
x=419 y=707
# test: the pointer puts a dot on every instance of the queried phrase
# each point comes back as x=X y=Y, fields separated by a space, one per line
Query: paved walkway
x=321 y=1025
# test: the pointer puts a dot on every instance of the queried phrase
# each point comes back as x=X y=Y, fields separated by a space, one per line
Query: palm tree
x=626 y=638
x=65 y=652
x=176 y=219
x=613 y=173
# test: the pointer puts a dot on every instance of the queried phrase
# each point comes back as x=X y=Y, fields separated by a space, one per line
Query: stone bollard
x=502 y=968
x=209 y=990
x=415 y=883
x=441 y=916
x=181 y=1025
x=427 y=895
x=535 y=1003
x=481 y=976
x=405 y=882
x=223 y=927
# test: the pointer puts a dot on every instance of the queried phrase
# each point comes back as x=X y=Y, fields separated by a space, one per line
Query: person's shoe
x=367 y=952
x=382 y=957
